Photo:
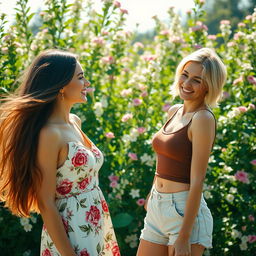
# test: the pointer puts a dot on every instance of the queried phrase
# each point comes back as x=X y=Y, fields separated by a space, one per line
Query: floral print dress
x=82 y=206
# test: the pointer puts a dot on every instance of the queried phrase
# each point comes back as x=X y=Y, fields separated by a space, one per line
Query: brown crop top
x=174 y=152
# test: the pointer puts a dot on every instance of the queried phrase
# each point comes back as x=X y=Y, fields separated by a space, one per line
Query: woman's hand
x=181 y=247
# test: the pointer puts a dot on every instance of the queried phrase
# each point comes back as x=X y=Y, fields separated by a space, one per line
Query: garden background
x=132 y=74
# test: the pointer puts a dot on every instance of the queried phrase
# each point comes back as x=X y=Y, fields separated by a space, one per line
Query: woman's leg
x=196 y=250
x=147 y=248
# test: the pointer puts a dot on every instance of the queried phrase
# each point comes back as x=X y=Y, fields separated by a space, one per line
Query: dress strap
x=86 y=139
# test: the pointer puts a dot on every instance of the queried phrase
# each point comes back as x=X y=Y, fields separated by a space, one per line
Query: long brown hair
x=22 y=115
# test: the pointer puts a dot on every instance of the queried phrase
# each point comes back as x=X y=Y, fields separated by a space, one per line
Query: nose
x=87 y=83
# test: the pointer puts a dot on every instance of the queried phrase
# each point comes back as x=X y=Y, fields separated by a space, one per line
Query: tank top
x=174 y=152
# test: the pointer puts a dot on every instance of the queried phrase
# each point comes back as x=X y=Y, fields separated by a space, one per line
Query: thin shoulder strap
x=84 y=136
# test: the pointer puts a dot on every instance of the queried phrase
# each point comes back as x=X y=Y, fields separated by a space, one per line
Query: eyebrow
x=81 y=73
x=194 y=76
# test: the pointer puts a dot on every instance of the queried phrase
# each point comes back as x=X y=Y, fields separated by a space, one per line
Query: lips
x=84 y=92
x=186 y=91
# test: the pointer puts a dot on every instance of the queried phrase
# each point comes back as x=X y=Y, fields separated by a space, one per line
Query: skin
x=60 y=129
x=201 y=133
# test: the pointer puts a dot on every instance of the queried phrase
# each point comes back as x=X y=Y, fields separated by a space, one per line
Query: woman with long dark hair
x=48 y=165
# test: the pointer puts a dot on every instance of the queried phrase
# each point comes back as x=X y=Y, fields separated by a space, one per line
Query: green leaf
x=122 y=220
x=63 y=207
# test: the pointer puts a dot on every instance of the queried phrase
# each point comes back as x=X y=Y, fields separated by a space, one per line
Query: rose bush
x=132 y=94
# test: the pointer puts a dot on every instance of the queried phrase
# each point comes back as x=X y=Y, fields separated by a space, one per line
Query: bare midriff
x=169 y=186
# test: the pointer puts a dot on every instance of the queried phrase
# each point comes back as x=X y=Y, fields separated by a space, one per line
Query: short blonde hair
x=213 y=75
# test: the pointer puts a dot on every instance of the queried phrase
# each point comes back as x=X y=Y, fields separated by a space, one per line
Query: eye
x=184 y=75
x=81 y=77
x=197 y=81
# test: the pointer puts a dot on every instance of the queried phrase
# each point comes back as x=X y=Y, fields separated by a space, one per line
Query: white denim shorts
x=165 y=212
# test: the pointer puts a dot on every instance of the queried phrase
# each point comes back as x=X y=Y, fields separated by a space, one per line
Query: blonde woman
x=178 y=221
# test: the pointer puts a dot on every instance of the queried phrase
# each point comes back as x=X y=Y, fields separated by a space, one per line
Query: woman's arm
x=202 y=132
x=47 y=157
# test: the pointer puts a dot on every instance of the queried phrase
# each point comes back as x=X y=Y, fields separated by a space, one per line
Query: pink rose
x=93 y=216
x=113 y=178
x=251 y=217
x=84 y=183
x=108 y=60
x=84 y=252
x=80 y=158
x=253 y=162
x=212 y=37
x=242 y=109
x=126 y=117
x=115 y=250
x=141 y=130
x=117 y=4
x=251 y=79
x=144 y=94
x=65 y=187
x=238 y=80
x=140 y=202
x=104 y=206
x=113 y=184
x=46 y=252
x=137 y=102
x=110 y=135
x=225 y=22
x=133 y=156
x=242 y=176
x=251 y=238
x=124 y=11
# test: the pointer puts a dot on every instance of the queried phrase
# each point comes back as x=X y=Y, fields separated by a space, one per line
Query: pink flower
x=124 y=11
x=251 y=238
x=251 y=79
x=197 y=46
x=93 y=216
x=80 y=158
x=188 y=12
x=166 y=107
x=141 y=130
x=242 y=109
x=149 y=57
x=99 y=41
x=46 y=252
x=243 y=228
x=140 y=202
x=238 y=80
x=253 y=162
x=231 y=44
x=241 y=24
x=225 y=22
x=110 y=135
x=133 y=156
x=113 y=184
x=65 y=187
x=199 y=26
x=225 y=95
x=139 y=45
x=248 y=17
x=113 y=178
x=144 y=94
x=117 y=4
x=165 y=32
x=84 y=252
x=212 y=37
x=108 y=60
x=242 y=176
x=251 y=217
x=136 y=102
x=251 y=106
x=65 y=223
x=126 y=117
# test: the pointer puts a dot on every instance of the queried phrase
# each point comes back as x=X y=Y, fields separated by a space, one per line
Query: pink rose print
x=65 y=187
x=115 y=250
x=84 y=252
x=96 y=152
x=80 y=158
x=84 y=183
x=104 y=205
x=46 y=252
x=93 y=216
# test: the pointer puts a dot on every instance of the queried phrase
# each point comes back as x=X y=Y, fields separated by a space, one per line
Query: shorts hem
x=203 y=244
x=154 y=242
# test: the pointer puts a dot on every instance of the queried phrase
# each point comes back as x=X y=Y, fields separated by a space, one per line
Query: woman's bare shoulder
x=173 y=109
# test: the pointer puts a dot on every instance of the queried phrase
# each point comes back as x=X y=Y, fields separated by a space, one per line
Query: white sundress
x=82 y=206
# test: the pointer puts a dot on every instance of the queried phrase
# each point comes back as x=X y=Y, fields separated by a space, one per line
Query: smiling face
x=191 y=86
x=75 y=91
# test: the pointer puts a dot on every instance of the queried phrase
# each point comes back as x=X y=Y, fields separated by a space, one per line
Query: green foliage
x=132 y=83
